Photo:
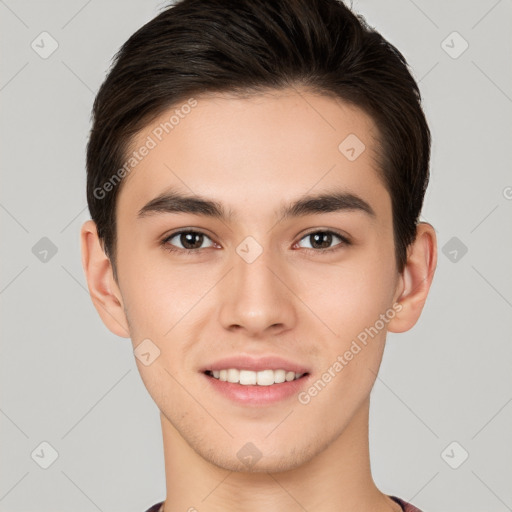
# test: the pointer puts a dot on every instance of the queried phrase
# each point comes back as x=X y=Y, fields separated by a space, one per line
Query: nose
x=258 y=297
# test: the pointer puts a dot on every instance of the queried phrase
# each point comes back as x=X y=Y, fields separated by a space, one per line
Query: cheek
x=350 y=304
x=350 y=296
x=166 y=303
x=148 y=287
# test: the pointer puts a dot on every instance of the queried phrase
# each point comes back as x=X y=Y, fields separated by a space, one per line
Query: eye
x=189 y=240
x=320 y=241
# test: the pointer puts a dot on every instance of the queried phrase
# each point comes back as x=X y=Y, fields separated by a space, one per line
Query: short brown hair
x=246 y=47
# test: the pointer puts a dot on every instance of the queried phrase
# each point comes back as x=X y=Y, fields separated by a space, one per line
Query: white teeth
x=265 y=378
x=247 y=378
x=233 y=375
x=279 y=376
x=250 y=378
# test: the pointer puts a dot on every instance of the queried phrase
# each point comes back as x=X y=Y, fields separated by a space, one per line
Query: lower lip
x=257 y=395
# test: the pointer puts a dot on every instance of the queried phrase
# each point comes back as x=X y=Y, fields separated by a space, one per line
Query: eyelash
x=190 y=252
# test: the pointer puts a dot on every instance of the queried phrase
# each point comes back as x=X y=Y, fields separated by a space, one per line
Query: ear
x=105 y=293
x=416 y=278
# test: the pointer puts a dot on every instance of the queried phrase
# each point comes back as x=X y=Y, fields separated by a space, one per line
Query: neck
x=338 y=478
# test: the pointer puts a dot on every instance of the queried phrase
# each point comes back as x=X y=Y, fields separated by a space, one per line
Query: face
x=314 y=287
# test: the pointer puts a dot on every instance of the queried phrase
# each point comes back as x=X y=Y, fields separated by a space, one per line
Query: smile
x=252 y=378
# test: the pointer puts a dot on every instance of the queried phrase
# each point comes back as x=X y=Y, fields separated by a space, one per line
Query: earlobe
x=416 y=279
x=104 y=292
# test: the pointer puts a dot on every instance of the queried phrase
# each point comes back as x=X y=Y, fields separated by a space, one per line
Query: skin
x=253 y=155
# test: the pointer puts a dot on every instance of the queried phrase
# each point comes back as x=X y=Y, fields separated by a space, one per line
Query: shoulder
x=407 y=507
x=155 y=507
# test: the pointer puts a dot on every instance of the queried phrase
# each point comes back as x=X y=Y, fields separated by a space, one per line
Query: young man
x=255 y=175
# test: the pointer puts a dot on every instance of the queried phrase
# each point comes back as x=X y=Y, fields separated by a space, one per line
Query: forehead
x=255 y=152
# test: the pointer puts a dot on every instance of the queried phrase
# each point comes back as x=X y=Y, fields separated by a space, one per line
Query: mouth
x=262 y=380
x=255 y=378
x=263 y=388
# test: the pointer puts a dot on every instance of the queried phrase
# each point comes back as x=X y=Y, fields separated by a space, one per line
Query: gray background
x=67 y=381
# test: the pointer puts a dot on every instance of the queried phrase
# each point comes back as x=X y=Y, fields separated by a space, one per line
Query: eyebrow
x=176 y=202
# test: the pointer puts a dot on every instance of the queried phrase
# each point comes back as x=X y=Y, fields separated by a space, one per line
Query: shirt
x=406 y=507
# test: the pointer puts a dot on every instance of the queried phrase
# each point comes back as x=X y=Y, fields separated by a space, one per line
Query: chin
x=259 y=456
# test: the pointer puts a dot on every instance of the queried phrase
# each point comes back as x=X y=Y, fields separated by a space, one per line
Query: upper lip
x=256 y=364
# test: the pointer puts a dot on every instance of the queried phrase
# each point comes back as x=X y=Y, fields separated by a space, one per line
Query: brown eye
x=187 y=240
x=321 y=241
